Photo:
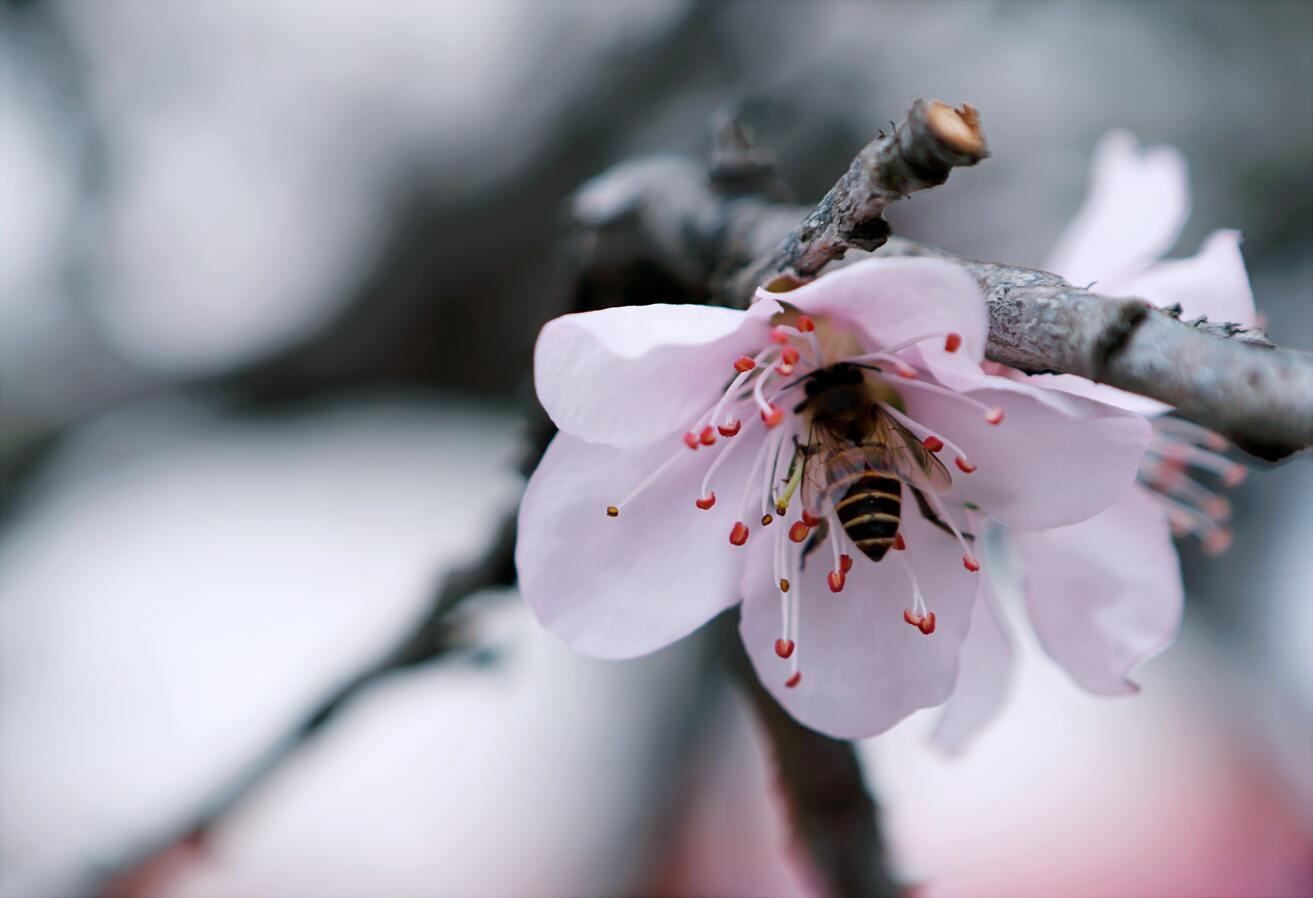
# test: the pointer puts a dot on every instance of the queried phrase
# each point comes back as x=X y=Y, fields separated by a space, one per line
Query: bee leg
x=932 y=516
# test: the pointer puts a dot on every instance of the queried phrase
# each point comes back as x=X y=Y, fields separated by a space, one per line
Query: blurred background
x=270 y=273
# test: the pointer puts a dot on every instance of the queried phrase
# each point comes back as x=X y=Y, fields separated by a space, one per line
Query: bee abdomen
x=870 y=511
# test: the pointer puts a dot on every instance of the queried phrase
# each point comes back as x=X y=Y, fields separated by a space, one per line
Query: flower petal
x=892 y=300
x=984 y=677
x=621 y=587
x=1056 y=458
x=629 y=375
x=1213 y=282
x=1080 y=386
x=1137 y=203
x=863 y=668
x=1104 y=595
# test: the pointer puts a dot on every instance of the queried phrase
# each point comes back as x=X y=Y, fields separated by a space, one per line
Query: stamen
x=730 y=429
x=1191 y=432
x=993 y=415
x=773 y=442
x=918 y=615
x=707 y=502
x=719 y=460
x=968 y=558
x=798 y=532
x=835 y=579
x=745 y=364
x=1231 y=473
x=738 y=535
x=793 y=681
x=951 y=341
x=645 y=483
x=772 y=416
x=784 y=647
x=928 y=439
x=901 y=368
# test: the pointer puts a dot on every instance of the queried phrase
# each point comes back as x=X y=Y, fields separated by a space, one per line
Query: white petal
x=629 y=375
x=1138 y=201
x=621 y=587
x=863 y=667
x=1104 y=595
x=984 y=677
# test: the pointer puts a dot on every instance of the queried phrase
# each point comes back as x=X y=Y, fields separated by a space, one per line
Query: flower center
x=788 y=471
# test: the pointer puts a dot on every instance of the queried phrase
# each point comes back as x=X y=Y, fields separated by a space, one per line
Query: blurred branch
x=833 y=814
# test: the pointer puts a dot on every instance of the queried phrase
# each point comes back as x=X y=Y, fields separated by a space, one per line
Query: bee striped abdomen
x=870 y=510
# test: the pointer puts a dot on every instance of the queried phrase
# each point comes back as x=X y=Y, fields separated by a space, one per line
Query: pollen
x=784 y=647
x=963 y=465
x=933 y=443
x=730 y=429
x=793 y=681
x=705 y=502
x=798 y=532
x=744 y=364
x=738 y=534
x=835 y=579
x=612 y=511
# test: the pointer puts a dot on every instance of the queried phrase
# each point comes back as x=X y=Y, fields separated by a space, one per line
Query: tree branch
x=1226 y=377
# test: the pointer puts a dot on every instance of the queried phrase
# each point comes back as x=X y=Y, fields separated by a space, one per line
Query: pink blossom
x=679 y=483
x=1104 y=595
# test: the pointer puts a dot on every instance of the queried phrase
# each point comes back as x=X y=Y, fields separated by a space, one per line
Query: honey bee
x=857 y=458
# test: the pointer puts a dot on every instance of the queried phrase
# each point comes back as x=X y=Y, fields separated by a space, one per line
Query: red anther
x=784 y=585
x=899 y=543
x=836 y=580
x=779 y=335
x=766 y=519
x=790 y=356
x=906 y=372
x=691 y=440
x=744 y=364
x=963 y=465
x=969 y=562
x=798 y=532
x=708 y=435
x=794 y=680
x=953 y=342
x=738 y=534
x=912 y=617
x=784 y=370
x=774 y=416
x=784 y=647
x=728 y=430
x=927 y=624
x=933 y=443
x=1217 y=542
x=612 y=511
x=809 y=520
x=994 y=416
x=706 y=502
x=845 y=563
x=805 y=324
x=1234 y=475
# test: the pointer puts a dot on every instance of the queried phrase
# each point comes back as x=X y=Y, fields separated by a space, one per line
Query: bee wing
x=830 y=465
x=905 y=455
